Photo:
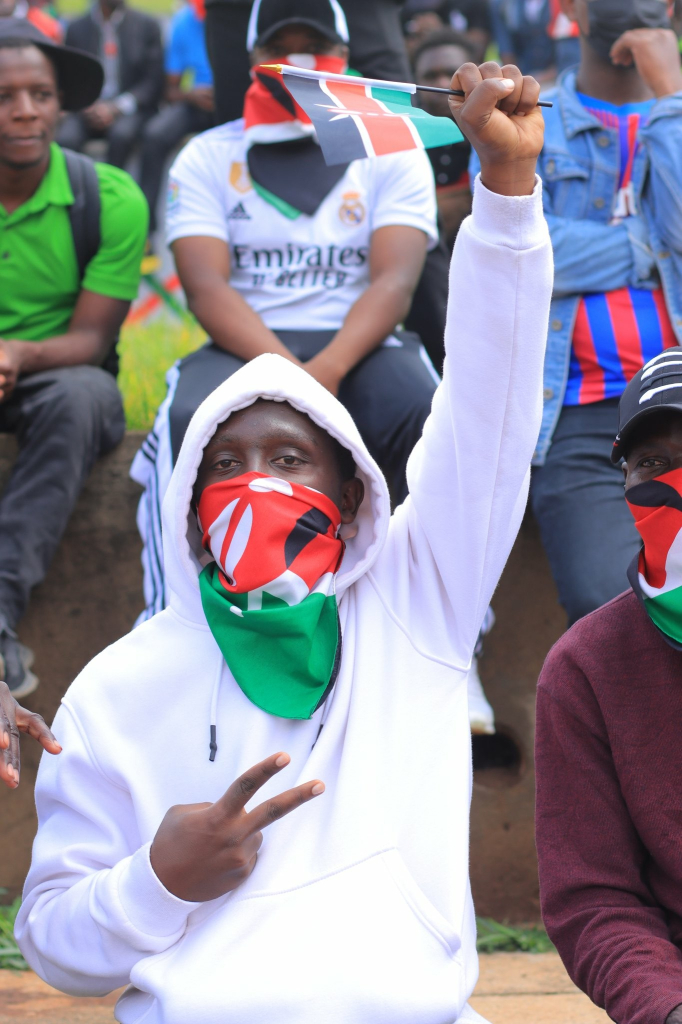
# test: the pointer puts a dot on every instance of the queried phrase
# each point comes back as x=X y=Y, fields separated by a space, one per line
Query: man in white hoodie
x=305 y=618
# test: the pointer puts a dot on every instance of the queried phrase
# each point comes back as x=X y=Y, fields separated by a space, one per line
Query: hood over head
x=277 y=379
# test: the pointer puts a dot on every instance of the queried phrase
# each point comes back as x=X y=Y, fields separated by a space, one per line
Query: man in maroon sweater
x=609 y=743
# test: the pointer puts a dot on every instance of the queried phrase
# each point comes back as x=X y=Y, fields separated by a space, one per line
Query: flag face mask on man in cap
x=657 y=577
x=650 y=439
x=285 y=162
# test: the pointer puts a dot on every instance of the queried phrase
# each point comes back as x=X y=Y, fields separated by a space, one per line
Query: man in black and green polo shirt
x=57 y=328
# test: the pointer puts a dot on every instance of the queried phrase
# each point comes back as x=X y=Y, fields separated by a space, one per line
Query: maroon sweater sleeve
x=611 y=935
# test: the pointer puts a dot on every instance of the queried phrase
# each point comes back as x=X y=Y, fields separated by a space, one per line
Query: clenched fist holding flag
x=500 y=117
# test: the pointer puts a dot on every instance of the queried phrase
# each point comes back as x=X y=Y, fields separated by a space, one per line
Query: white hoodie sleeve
x=468 y=476
x=92 y=904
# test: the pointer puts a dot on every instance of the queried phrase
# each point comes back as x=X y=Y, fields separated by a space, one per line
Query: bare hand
x=202 y=851
x=10 y=367
x=501 y=119
x=324 y=373
x=14 y=720
x=101 y=115
x=202 y=97
x=655 y=54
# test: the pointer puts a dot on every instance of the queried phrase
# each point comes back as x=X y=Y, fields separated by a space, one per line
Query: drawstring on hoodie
x=213 y=741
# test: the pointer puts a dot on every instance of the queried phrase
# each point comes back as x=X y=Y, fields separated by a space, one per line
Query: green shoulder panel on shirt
x=115 y=270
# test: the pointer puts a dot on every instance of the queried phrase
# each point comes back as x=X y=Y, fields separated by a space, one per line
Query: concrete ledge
x=93 y=593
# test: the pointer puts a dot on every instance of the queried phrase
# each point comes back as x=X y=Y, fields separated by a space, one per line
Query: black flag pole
x=460 y=92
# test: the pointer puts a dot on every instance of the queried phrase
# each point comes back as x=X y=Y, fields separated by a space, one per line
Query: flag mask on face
x=286 y=165
x=656 y=573
x=608 y=19
x=270 y=113
x=269 y=597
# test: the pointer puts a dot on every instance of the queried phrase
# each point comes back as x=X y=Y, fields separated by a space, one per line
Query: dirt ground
x=514 y=988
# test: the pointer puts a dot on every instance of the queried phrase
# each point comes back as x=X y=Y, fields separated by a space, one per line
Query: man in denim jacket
x=612 y=172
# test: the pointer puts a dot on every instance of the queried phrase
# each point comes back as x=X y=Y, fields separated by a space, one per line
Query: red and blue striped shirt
x=617 y=332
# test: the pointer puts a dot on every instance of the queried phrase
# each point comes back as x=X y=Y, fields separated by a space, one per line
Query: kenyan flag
x=361 y=117
x=656 y=576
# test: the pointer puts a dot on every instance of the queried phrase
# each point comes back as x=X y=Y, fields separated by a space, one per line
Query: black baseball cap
x=269 y=16
x=658 y=385
x=80 y=75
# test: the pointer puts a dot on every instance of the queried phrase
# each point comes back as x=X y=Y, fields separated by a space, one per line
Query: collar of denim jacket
x=575 y=116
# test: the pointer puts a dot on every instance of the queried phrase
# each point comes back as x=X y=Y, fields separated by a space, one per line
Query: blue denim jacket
x=579 y=167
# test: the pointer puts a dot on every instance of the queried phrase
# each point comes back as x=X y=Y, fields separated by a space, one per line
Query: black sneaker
x=15 y=666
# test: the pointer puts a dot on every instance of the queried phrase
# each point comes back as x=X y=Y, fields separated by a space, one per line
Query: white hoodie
x=359 y=909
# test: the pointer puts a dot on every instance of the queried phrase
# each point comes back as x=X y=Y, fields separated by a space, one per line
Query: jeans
x=577 y=498
x=63 y=420
x=160 y=136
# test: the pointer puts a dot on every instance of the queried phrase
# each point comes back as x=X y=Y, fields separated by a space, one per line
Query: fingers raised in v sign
x=227 y=836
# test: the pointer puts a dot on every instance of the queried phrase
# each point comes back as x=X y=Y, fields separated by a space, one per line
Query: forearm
x=86 y=939
x=92 y=905
x=232 y=324
x=75 y=348
x=370 y=320
x=480 y=436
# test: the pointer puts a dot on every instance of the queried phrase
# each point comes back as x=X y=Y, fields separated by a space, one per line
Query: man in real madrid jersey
x=277 y=252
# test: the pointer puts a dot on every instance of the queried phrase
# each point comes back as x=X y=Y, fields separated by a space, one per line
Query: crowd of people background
x=343 y=272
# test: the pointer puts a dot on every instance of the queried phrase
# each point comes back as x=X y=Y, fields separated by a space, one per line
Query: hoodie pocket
x=363 y=944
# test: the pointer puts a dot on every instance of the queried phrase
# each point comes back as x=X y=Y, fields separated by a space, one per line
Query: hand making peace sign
x=202 y=851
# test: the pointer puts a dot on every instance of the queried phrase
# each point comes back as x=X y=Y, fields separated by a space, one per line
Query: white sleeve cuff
x=149 y=907
x=515 y=221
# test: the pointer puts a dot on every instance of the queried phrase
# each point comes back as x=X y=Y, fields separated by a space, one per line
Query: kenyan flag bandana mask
x=270 y=597
x=656 y=573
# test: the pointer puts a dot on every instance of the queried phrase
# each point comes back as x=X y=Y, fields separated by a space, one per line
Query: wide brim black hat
x=80 y=76
x=657 y=386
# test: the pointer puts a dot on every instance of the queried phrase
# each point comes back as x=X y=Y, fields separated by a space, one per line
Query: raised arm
x=468 y=476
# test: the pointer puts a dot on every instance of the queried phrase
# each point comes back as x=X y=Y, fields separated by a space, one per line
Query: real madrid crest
x=239 y=177
x=351 y=211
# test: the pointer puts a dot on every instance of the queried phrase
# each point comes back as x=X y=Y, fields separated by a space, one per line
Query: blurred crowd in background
x=159 y=83
x=371 y=329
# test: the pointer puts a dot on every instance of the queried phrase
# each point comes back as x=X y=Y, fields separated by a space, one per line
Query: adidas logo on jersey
x=239 y=213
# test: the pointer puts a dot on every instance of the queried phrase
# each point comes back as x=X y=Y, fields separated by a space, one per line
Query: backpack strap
x=84 y=214
x=84 y=217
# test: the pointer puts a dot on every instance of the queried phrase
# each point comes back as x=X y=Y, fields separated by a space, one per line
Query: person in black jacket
x=129 y=46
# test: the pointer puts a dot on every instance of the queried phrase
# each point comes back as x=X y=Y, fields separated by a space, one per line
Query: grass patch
x=494 y=937
x=10 y=957
x=74 y=8
x=147 y=351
